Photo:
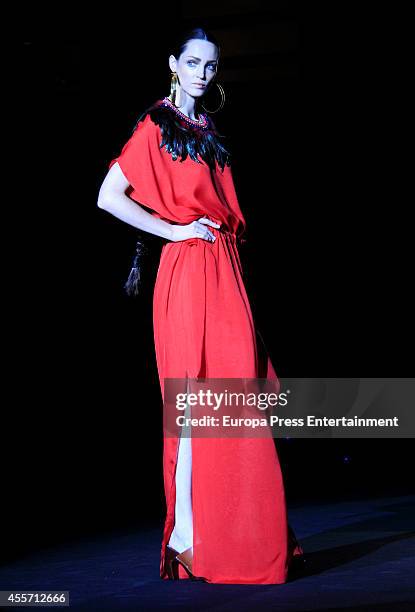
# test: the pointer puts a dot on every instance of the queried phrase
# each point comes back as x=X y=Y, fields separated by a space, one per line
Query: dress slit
x=181 y=537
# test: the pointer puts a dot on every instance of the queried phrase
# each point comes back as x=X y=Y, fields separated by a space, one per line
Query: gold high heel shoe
x=185 y=558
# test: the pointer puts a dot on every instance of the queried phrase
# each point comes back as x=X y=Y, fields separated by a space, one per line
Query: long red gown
x=203 y=327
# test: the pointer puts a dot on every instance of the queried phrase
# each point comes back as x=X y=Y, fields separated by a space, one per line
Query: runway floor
x=360 y=556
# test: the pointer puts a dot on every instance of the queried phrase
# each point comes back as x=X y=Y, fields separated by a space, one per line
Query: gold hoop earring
x=175 y=89
x=222 y=102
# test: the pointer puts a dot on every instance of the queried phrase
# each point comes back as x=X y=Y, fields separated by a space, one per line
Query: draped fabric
x=203 y=327
x=177 y=191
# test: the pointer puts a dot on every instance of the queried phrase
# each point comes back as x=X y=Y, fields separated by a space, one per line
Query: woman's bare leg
x=182 y=535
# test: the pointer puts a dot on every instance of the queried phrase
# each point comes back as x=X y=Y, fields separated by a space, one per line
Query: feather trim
x=183 y=140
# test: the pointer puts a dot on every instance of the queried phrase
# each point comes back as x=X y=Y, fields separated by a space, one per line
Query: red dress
x=203 y=327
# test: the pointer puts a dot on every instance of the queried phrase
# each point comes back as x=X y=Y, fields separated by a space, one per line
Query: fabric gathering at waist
x=222 y=231
x=219 y=233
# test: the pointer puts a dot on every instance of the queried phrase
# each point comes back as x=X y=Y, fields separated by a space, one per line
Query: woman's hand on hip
x=195 y=229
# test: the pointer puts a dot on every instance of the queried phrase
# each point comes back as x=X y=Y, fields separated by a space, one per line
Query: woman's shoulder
x=180 y=139
x=148 y=117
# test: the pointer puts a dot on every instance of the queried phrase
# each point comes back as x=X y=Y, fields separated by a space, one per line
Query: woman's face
x=196 y=65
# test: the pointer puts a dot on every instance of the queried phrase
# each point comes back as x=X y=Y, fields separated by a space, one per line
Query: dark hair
x=147 y=242
x=187 y=35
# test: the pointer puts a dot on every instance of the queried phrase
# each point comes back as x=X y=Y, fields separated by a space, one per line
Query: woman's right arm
x=113 y=199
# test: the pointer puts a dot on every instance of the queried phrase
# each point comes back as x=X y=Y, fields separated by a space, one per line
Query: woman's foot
x=185 y=558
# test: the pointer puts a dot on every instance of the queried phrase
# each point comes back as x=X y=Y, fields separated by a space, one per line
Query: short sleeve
x=141 y=163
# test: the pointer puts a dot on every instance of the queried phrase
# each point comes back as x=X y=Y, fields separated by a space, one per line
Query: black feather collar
x=183 y=139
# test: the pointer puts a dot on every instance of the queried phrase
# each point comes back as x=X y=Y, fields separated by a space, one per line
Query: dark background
x=311 y=117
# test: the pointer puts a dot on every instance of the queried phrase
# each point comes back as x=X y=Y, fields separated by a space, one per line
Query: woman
x=226 y=515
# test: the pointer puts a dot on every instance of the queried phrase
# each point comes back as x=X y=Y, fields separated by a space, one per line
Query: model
x=226 y=519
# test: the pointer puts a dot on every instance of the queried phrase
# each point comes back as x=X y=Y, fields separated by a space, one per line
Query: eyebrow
x=198 y=58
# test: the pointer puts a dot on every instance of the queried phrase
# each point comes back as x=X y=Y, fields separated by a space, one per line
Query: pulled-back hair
x=187 y=35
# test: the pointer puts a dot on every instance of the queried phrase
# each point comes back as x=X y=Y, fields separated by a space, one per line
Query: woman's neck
x=187 y=105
